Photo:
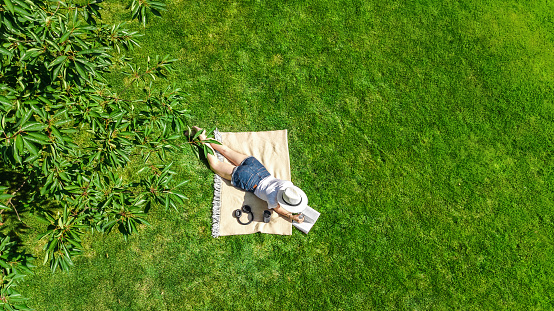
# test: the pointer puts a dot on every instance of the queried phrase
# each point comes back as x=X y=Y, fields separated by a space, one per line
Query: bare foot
x=201 y=136
x=194 y=130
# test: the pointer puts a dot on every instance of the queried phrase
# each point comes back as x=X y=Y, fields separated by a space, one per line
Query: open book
x=310 y=217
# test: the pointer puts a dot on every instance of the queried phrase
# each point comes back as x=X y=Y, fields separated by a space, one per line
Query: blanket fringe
x=216 y=209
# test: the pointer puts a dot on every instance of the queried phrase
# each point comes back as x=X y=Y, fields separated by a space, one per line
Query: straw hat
x=293 y=199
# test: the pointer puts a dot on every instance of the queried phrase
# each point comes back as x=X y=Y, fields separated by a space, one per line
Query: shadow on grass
x=25 y=202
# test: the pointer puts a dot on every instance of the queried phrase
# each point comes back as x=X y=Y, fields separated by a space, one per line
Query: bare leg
x=233 y=156
x=222 y=169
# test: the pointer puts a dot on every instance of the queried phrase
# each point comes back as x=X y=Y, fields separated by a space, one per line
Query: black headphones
x=237 y=213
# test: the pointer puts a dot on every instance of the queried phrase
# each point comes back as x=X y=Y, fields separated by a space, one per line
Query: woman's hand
x=288 y=214
x=298 y=219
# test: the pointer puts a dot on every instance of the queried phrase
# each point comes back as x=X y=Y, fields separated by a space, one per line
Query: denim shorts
x=248 y=174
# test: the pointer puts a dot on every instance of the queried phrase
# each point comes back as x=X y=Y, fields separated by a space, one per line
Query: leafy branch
x=71 y=136
x=138 y=9
x=159 y=68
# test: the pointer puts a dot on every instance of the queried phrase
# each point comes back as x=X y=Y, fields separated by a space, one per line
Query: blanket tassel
x=216 y=210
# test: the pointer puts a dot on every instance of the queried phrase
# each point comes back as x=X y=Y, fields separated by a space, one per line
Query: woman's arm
x=288 y=214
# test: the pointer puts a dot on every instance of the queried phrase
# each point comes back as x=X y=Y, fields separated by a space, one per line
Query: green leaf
x=19 y=144
x=33 y=126
x=49 y=218
x=114 y=160
x=8 y=307
x=180 y=195
x=25 y=117
x=132 y=227
x=41 y=112
x=63 y=175
x=5 y=241
x=65 y=213
x=140 y=202
x=49 y=179
x=52 y=245
x=4 y=264
x=143 y=221
x=57 y=61
x=31 y=147
x=22 y=307
x=32 y=158
x=142 y=169
x=212 y=141
x=56 y=72
x=210 y=131
x=74 y=243
x=3 y=206
x=60 y=113
x=196 y=135
x=75 y=16
x=45 y=100
x=64 y=37
x=156 y=4
x=16 y=155
x=109 y=225
x=54 y=264
x=92 y=51
x=9 y=5
x=5 y=101
x=37 y=138
x=81 y=71
x=181 y=184
x=22 y=4
x=4 y=51
x=195 y=151
x=9 y=25
x=155 y=12
x=22 y=12
x=123 y=155
x=62 y=122
x=57 y=134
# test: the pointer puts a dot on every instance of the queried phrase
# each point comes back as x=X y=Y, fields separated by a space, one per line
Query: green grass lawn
x=422 y=132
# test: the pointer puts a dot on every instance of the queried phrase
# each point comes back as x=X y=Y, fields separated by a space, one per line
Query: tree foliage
x=14 y=266
x=71 y=136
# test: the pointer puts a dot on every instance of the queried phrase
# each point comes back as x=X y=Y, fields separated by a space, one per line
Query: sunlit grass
x=422 y=132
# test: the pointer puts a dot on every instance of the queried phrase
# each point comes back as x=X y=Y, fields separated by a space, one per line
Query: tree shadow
x=26 y=201
x=202 y=157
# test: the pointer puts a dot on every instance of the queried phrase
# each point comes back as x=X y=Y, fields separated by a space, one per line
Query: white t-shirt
x=267 y=190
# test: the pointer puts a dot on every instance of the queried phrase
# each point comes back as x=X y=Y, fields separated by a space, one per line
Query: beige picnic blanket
x=271 y=149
